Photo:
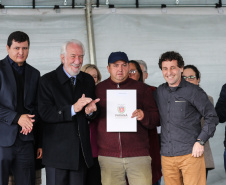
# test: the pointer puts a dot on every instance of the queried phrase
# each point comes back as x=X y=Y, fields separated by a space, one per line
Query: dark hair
x=138 y=69
x=195 y=69
x=169 y=56
x=18 y=36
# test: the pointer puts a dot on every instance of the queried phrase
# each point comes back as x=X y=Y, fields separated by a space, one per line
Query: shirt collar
x=18 y=68
x=120 y=83
x=68 y=75
x=182 y=84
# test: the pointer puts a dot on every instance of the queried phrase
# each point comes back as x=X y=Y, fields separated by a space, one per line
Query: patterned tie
x=73 y=82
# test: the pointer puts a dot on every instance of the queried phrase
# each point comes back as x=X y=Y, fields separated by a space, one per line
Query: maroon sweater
x=126 y=144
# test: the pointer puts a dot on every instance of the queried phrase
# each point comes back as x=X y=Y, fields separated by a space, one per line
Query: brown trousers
x=184 y=170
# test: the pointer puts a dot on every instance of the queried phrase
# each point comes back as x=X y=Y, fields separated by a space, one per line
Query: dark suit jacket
x=8 y=101
x=63 y=135
x=221 y=108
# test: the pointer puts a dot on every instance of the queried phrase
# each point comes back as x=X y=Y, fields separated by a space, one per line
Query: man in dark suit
x=18 y=111
x=66 y=102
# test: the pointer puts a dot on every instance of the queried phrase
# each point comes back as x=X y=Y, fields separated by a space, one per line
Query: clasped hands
x=26 y=122
x=83 y=101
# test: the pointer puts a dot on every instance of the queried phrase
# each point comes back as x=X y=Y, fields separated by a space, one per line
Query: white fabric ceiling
x=199 y=34
x=104 y=2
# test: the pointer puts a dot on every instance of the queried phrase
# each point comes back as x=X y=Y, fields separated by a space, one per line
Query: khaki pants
x=114 y=170
x=38 y=179
x=184 y=170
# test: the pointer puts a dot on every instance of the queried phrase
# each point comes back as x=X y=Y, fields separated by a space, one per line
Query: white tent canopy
x=197 y=33
x=116 y=3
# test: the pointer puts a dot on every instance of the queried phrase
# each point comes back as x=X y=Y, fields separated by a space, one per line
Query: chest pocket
x=180 y=108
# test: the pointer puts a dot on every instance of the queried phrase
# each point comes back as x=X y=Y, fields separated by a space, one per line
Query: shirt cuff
x=204 y=137
x=72 y=111
x=90 y=114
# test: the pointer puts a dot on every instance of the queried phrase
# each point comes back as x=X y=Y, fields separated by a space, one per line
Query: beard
x=72 y=69
x=78 y=70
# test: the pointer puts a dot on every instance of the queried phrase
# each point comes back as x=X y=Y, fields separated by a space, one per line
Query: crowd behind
x=59 y=121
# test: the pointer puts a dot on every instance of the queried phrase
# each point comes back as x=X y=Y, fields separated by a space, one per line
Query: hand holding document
x=139 y=114
x=120 y=106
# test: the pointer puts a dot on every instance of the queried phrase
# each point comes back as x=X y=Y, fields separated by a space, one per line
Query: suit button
x=60 y=112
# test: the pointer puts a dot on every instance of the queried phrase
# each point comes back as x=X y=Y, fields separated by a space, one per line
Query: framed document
x=120 y=106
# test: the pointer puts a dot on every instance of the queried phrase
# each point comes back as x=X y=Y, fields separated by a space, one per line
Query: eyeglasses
x=132 y=72
x=191 y=78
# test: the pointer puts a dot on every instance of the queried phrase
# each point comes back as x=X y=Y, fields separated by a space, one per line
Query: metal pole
x=33 y=3
x=73 y=3
x=89 y=26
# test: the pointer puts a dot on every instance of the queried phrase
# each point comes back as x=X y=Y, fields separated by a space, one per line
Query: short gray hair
x=141 y=62
x=73 y=41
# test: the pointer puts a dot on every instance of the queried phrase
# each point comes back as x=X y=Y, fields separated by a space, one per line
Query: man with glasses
x=152 y=133
x=137 y=74
x=181 y=107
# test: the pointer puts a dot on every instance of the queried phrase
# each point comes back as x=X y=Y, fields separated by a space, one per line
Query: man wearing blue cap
x=124 y=154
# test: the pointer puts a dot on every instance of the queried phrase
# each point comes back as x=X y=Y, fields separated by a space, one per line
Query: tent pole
x=89 y=26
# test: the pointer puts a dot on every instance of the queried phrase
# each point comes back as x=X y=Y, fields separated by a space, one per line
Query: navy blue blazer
x=8 y=101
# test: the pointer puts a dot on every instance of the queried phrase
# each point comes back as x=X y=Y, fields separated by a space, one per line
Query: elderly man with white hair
x=66 y=102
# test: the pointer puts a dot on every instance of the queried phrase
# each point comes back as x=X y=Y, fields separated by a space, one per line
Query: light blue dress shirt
x=72 y=109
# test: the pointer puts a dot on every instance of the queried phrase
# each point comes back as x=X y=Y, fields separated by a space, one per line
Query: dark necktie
x=72 y=79
x=73 y=82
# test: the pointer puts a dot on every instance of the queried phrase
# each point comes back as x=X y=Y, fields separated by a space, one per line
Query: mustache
x=76 y=65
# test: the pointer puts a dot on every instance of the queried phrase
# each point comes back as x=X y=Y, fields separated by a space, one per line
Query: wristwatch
x=201 y=142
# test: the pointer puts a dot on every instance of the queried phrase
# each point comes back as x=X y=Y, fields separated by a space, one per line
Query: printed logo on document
x=121 y=110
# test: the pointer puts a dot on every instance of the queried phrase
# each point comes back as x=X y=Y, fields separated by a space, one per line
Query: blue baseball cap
x=115 y=56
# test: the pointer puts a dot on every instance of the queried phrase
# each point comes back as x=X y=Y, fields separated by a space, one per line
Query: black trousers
x=56 y=176
x=19 y=161
x=93 y=173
